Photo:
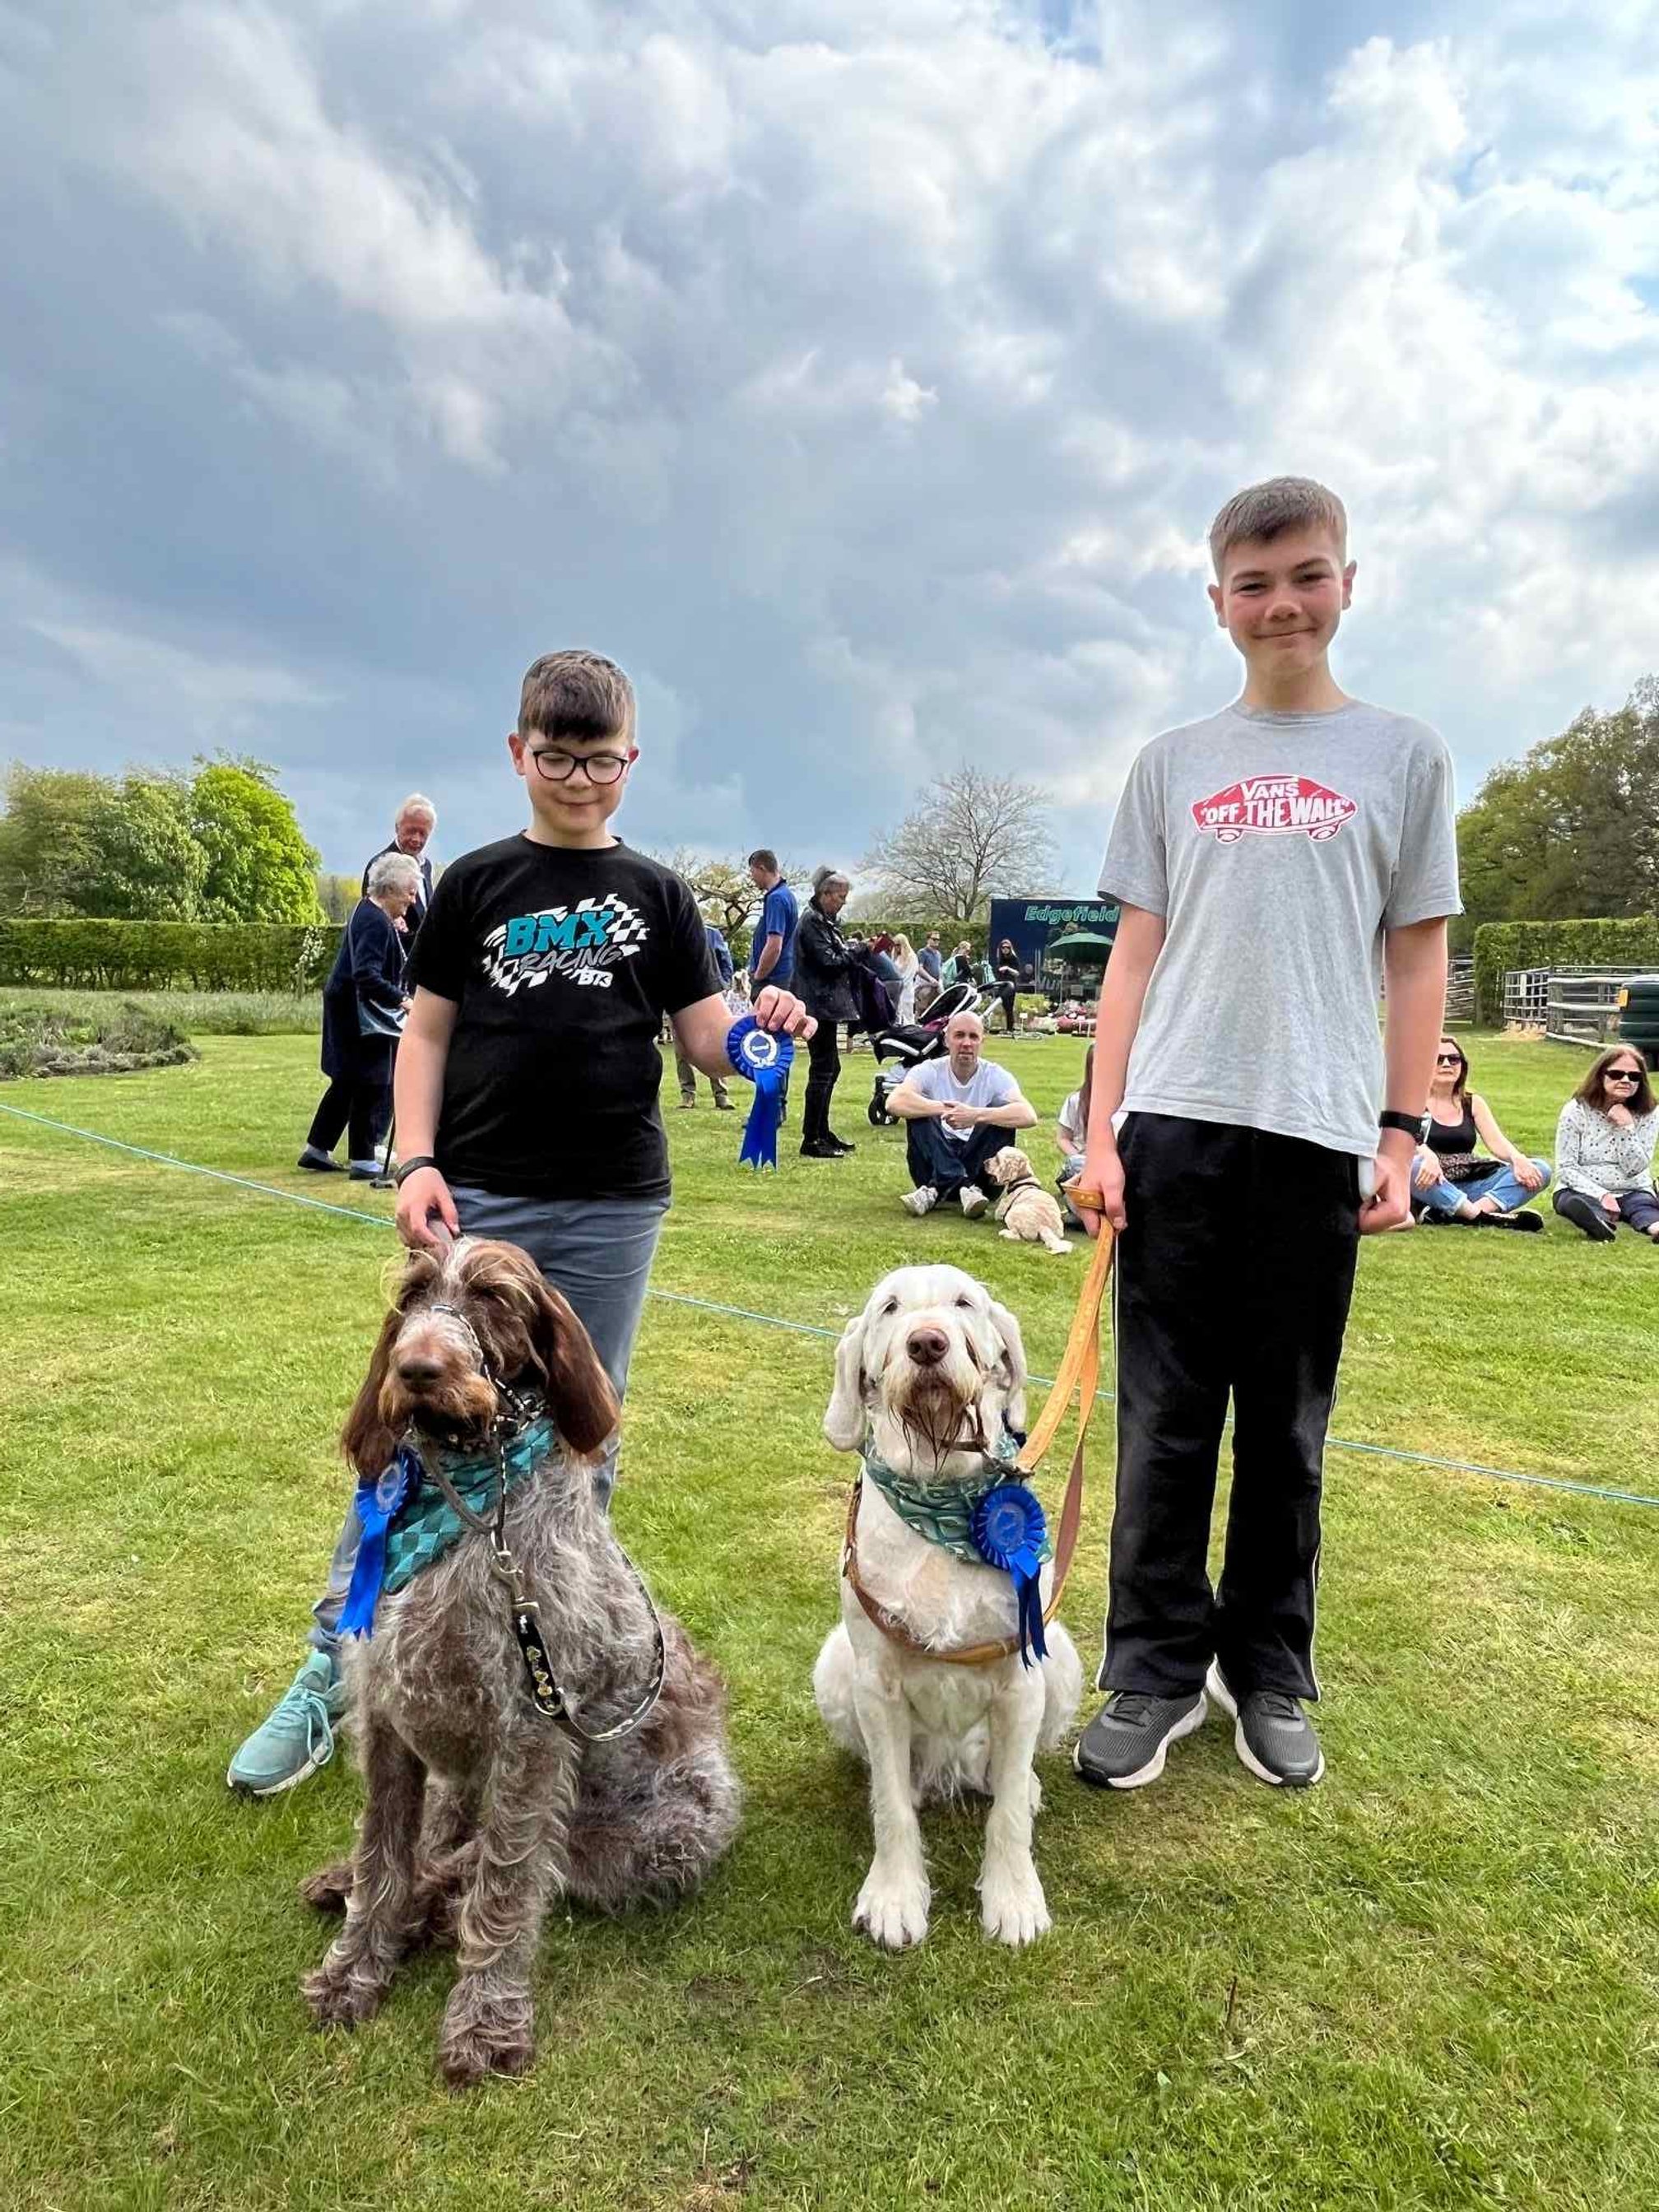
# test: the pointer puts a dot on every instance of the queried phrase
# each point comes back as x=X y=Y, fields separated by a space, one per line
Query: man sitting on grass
x=960 y=1110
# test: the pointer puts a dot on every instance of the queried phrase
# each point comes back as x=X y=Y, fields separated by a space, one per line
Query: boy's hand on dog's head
x=776 y=1009
x=426 y=1216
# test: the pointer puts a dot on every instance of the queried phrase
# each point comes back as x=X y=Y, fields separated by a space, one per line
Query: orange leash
x=1080 y=1372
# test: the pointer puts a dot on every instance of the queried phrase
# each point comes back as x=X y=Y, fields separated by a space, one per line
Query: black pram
x=908 y=1043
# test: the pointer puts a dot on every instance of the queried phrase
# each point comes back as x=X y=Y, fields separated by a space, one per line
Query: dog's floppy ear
x=578 y=1393
x=366 y=1441
x=843 y=1420
x=1013 y=1364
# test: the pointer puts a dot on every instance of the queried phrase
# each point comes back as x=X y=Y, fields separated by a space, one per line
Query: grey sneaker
x=973 y=1201
x=1274 y=1738
x=1127 y=1740
x=920 y=1201
x=297 y=1737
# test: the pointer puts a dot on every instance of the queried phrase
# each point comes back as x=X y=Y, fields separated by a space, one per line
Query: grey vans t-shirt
x=1278 y=848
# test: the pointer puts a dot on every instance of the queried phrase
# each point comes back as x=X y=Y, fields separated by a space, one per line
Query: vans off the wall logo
x=582 y=943
x=1265 y=804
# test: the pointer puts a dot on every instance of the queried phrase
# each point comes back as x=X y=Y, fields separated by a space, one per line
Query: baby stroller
x=908 y=1044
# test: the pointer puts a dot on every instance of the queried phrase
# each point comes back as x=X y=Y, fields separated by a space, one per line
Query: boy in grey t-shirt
x=1275 y=864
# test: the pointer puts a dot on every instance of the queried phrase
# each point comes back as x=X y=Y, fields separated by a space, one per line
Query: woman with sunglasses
x=1604 y=1146
x=1450 y=1181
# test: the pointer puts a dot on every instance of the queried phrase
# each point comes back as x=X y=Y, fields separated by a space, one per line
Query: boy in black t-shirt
x=527 y=1077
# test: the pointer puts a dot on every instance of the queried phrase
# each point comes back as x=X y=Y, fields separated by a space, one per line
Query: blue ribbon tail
x=1028 y=1582
x=357 y=1614
x=760 y=1135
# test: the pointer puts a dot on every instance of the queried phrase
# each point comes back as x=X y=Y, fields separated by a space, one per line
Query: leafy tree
x=971 y=837
x=148 y=865
x=258 y=865
x=337 y=895
x=1571 y=832
x=48 y=839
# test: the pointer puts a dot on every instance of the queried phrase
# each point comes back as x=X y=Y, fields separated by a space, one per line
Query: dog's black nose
x=928 y=1347
x=414 y=1367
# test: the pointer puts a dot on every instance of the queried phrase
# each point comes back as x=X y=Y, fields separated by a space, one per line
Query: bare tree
x=971 y=837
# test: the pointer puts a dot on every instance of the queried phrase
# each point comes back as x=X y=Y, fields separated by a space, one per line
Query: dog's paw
x=892 y=1912
x=485 y=2035
x=1012 y=1908
x=343 y=1992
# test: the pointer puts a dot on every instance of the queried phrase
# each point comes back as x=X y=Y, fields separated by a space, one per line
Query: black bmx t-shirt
x=561 y=965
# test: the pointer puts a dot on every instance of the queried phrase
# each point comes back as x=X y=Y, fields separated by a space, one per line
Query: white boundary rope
x=802 y=1327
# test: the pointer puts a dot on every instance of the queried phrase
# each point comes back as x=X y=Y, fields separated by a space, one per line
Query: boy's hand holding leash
x=1102 y=1180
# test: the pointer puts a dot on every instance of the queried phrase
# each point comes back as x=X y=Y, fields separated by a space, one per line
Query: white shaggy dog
x=1028 y=1214
x=931 y=1372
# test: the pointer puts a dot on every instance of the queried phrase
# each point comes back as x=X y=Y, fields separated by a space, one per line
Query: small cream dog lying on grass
x=930 y=1384
x=1029 y=1214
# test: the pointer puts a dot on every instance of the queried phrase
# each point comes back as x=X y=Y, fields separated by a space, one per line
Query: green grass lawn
x=1431 y=1982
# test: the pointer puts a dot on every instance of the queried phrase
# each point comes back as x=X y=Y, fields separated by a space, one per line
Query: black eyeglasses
x=1621 y=1075
x=555 y=767
x=1448 y=1059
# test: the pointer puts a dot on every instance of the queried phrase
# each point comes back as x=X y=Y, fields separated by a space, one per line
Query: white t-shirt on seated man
x=961 y=1109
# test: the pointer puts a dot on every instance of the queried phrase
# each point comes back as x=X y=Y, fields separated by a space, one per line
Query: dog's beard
x=937 y=1416
x=456 y=1410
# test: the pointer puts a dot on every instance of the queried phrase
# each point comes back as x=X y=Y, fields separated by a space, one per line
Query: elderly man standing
x=411 y=832
x=959 y=1110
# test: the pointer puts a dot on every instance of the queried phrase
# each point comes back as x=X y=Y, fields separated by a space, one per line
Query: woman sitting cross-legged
x=1604 y=1150
x=1450 y=1180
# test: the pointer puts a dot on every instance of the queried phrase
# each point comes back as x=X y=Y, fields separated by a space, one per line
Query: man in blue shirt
x=720 y=953
x=772 y=958
x=931 y=958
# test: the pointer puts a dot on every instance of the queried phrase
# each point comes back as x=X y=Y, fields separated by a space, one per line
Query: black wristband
x=404 y=1169
x=1415 y=1125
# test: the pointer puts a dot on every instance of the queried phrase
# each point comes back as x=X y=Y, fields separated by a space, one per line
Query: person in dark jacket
x=364 y=991
x=1007 y=980
x=411 y=832
x=823 y=979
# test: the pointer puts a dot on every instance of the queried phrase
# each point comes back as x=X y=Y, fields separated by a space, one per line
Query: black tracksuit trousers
x=1233 y=1278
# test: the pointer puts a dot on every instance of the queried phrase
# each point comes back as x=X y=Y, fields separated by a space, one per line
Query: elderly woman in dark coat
x=823 y=965
x=363 y=1005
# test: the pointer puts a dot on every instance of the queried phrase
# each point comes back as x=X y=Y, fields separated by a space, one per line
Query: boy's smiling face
x=574 y=807
x=1281 y=598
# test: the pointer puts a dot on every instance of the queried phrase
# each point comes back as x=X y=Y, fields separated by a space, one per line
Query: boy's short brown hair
x=576 y=695
x=1266 y=510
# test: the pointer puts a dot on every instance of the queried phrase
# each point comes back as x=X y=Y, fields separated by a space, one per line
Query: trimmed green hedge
x=161 y=956
x=1499 y=945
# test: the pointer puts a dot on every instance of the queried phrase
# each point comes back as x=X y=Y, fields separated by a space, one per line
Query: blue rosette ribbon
x=1009 y=1532
x=378 y=1504
x=760 y=1057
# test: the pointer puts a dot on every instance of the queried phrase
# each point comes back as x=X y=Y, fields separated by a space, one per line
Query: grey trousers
x=599 y=1253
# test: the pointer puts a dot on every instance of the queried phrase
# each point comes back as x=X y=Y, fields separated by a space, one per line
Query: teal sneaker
x=297 y=1737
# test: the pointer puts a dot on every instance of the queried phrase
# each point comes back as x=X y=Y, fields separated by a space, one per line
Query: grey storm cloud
x=863 y=379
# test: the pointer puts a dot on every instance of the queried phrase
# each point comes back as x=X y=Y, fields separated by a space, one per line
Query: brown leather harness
x=1079 y=1370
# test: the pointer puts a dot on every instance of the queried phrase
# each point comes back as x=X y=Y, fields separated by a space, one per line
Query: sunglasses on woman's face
x=1448 y=1059
x=1621 y=1075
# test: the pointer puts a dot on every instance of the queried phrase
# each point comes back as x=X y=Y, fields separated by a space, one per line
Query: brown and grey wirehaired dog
x=481 y=1808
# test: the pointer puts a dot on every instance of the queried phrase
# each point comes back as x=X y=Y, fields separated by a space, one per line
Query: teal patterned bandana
x=943 y=1512
x=427 y=1524
x=405 y=1523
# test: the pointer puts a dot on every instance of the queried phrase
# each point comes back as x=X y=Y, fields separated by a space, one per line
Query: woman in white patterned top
x=1604 y=1146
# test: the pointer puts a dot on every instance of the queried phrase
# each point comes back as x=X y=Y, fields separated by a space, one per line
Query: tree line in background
x=1569 y=831
x=219 y=845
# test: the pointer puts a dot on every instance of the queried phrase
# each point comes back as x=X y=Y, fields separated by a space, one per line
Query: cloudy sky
x=862 y=374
